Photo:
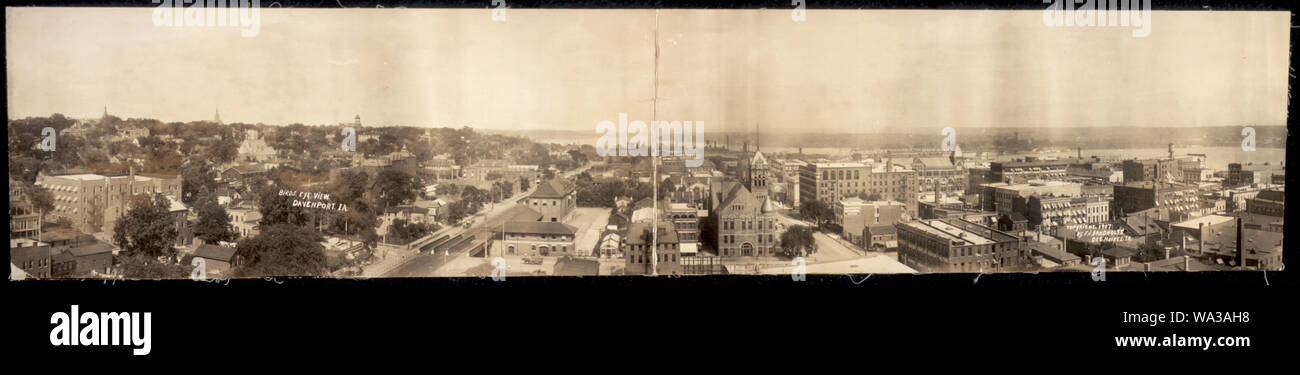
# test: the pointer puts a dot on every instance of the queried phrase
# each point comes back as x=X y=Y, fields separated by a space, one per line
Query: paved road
x=829 y=249
x=425 y=265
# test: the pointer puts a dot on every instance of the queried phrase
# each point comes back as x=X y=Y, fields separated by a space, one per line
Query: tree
x=196 y=179
x=214 y=222
x=798 y=240
x=523 y=184
x=403 y=232
x=579 y=158
x=281 y=250
x=817 y=212
x=394 y=188
x=474 y=195
x=145 y=268
x=147 y=228
x=277 y=209
x=666 y=188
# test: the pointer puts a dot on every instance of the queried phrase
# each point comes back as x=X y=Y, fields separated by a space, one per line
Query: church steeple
x=217 y=116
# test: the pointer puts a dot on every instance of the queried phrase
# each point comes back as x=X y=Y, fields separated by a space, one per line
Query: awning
x=689 y=248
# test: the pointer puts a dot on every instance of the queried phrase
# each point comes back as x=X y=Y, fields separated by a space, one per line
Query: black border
x=1003 y=320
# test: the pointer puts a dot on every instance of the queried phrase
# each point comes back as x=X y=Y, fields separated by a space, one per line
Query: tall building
x=1162 y=170
x=832 y=182
x=1001 y=197
x=1169 y=197
x=746 y=223
x=92 y=202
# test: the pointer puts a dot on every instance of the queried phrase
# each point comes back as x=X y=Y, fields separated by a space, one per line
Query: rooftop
x=1207 y=220
x=539 y=227
x=940 y=229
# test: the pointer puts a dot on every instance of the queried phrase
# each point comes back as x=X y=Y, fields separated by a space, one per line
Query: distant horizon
x=858 y=71
x=790 y=130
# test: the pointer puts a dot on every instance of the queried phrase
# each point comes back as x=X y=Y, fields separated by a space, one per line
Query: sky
x=736 y=70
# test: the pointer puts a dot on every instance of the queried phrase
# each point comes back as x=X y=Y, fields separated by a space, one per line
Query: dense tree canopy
x=146 y=229
x=281 y=250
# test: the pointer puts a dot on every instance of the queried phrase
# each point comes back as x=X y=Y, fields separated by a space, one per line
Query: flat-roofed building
x=832 y=182
x=1168 y=197
x=1022 y=171
x=1267 y=202
x=956 y=245
x=93 y=202
x=1001 y=196
x=854 y=214
x=1207 y=236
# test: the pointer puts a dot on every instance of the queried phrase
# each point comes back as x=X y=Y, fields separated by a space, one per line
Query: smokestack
x=936 y=193
x=1201 y=236
x=1241 y=258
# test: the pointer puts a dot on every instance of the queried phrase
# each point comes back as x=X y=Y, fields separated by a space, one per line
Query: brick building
x=665 y=259
x=746 y=225
x=956 y=245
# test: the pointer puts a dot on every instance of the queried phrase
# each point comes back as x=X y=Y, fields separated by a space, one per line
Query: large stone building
x=1168 y=197
x=555 y=199
x=93 y=202
x=1051 y=211
x=956 y=245
x=940 y=173
x=746 y=224
x=1001 y=197
x=1162 y=170
x=832 y=182
x=543 y=238
x=1022 y=171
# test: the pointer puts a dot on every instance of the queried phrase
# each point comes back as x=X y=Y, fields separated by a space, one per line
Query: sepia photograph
x=224 y=140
